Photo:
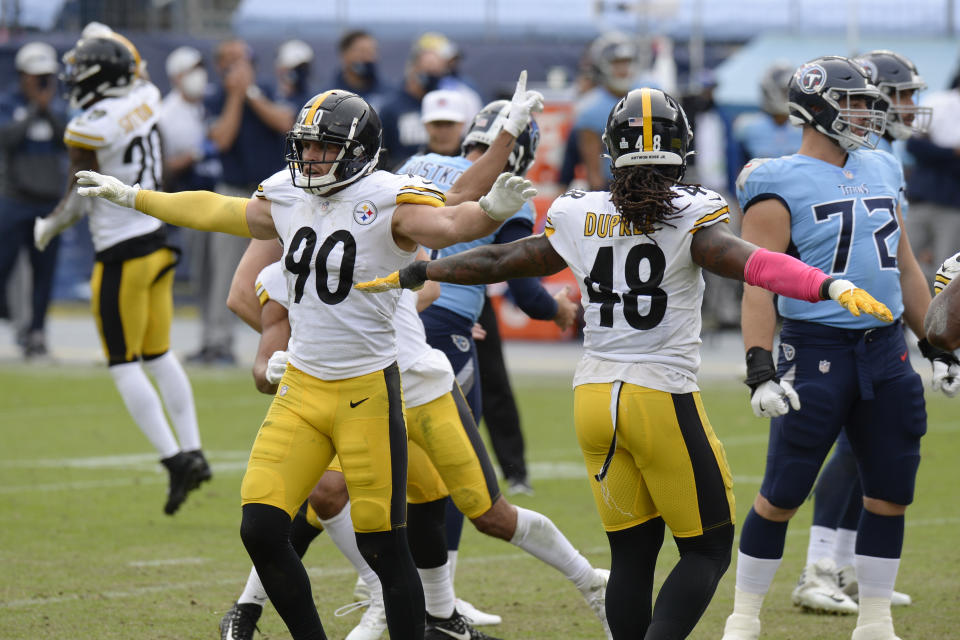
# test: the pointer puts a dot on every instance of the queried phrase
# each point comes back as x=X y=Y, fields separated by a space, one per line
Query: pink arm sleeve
x=783 y=274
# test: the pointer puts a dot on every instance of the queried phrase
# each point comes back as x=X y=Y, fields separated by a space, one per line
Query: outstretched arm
x=532 y=256
x=202 y=210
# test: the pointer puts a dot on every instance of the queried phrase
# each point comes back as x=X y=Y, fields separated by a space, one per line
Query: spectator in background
x=451 y=79
x=768 y=133
x=403 y=131
x=443 y=114
x=294 y=58
x=572 y=166
x=191 y=161
x=247 y=124
x=32 y=122
x=614 y=58
x=933 y=187
x=358 y=68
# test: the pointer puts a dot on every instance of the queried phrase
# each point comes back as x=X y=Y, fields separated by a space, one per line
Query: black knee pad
x=264 y=527
x=715 y=545
x=427 y=534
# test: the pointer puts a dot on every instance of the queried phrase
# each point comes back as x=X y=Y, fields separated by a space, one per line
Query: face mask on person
x=366 y=70
x=429 y=81
x=194 y=83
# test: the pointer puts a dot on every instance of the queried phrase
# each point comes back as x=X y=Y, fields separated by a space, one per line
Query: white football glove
x=946 y=378
x=276 y=366
x=106 y=187
x=44 y=231
x=506 y=196
x=522 y=105
x=770 y=399
x=949 y=270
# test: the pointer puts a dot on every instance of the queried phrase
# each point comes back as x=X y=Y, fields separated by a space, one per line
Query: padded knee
x=714 y=545
x=427 y=533
x=263 y=529
x=369 y=516
x=792 y=484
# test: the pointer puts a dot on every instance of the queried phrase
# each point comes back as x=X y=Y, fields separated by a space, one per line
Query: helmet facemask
x=851 y=126
x=351 y=163
x=905 y=117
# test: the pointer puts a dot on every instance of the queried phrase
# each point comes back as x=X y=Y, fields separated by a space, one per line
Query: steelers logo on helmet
x=488 y=124
x=648 y=127
x=334 y=142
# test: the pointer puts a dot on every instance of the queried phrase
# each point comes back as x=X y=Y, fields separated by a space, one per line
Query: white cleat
x=373 y=622
x=847 y=580
x=818 y=590
x=875 y=631
x=596 y=597
x=741 y=627
x=360 y=590
x=475 y=617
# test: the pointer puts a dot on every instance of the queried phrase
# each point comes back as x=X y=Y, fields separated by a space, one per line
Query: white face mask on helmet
x=194 y=83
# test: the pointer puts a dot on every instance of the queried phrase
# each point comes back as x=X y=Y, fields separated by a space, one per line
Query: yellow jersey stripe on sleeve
x=426 y=190
x=419 y=198
x=262 y=294
x=87 y=136
x=260 y=193
x=943 y=279
x=713 y=216
x=549 y=231
x=79 y=145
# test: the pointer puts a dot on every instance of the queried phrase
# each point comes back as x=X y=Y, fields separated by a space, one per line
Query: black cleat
x=205 y=473
x=240 y=621
x=185 y=473
x=455 y=627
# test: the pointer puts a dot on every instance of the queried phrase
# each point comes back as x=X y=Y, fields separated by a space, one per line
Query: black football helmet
x=339 y=118
x=648 y=127
x=773 y=88
x=896 y=75
x=821 y=94
x=486 y=126
x=97 y=68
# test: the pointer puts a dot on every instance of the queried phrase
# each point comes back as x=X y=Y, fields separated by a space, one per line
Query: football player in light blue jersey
x=838 y=497
x=768 y=134
x=836 y=205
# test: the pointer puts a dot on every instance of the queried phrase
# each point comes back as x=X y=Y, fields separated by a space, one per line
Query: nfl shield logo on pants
x=824 y=366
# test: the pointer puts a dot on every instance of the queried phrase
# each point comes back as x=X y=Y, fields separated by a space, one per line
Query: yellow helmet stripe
x=316 y=105
x=645 y=104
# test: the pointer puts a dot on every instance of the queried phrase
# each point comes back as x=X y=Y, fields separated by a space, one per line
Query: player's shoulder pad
x=271 y=285
x=279 y=188
x=409 y=189
x=95 y=128
x=755 y=168
x=700 y=207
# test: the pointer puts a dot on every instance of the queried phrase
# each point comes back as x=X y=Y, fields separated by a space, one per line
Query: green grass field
x=86 y=552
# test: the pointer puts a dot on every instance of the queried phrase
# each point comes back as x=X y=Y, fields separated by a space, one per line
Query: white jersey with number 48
x=123 y=132
x=641 y=293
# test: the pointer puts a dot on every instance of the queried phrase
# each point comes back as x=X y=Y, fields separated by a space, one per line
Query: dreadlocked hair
x=643 y=197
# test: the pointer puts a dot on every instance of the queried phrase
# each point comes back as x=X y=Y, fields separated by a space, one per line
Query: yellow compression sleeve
x=203 y=210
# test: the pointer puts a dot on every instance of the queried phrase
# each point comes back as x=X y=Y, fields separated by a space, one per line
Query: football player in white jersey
x=339 y=221
x=651 y=455
x=942 y=323
x=132 y=280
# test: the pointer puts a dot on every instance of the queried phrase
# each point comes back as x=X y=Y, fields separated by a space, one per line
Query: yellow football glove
x=410 y=277
x=855 y=300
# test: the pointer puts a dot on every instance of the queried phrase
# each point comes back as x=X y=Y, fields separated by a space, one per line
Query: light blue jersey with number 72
x=843 y=220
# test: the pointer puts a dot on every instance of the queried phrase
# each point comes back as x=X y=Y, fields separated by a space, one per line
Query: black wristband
x=825 y=288
x=932 y=353
x=760 y=367
x=414 y=274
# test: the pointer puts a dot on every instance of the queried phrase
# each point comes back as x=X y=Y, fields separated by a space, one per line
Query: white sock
x=821 y=545
x=437 y=591
x=253 y=592
x=845 y=547
x=340 y=528
x=177 y=398
x=537 y=535
x=876 y=576
x=873 y=610
x=452 y=563
x=746 y=603
x=754 y=575
x=144 y=406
